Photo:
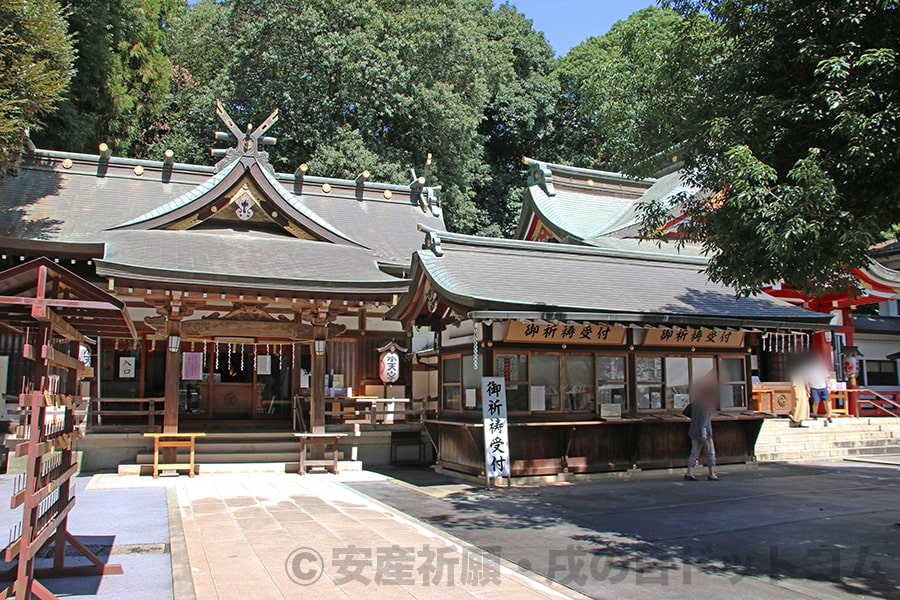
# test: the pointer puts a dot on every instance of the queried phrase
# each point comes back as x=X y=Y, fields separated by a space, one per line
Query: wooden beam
x=210 y=328
x=60 y=359
x=58 y=325
x=58 y=303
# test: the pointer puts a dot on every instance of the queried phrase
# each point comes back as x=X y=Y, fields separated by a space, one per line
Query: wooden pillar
x=173 y=377
x=317 y=393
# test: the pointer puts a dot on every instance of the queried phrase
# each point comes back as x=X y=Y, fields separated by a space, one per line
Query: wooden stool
x=318 y=439
x=173 y=440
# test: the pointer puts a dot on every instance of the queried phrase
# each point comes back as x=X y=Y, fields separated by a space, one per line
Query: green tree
x=797 y=130
x=198 y=44
x=122 y=75
x=518 y=120
x=631 y=93
x=378 y=84
x=35 y=66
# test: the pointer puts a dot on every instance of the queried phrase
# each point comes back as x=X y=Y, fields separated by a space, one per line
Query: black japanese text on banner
x=496 y=432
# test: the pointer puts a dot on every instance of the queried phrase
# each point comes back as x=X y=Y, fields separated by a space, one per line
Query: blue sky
x=567 y=23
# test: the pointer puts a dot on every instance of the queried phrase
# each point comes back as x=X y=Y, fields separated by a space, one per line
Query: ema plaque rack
x=46 y=494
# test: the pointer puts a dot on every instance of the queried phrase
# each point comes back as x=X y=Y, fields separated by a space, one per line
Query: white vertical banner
x=496 y=431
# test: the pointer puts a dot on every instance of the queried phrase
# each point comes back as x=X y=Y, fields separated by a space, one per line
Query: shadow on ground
x=821 y=530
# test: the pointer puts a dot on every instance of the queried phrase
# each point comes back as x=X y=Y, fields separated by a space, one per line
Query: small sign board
x=699 y=337
x=496 y=428
x=127 y=367
x=612 y=410
x=591 y=334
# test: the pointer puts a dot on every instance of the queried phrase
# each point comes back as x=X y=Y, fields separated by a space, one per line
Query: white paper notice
x=496 y=432
x=127 y=367
x=264 y=364
x=538 y=398
x=471 y=398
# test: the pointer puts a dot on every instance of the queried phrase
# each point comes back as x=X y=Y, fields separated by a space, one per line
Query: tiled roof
x=489 y=274
x=876 y=324
x=88 y=196
x=236 y=259
x=582 y=213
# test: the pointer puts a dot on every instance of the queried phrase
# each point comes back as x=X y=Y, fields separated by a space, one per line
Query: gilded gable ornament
x=243 y=207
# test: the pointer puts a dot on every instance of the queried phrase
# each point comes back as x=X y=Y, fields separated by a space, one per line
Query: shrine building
x=598 y=336
x=256 y=298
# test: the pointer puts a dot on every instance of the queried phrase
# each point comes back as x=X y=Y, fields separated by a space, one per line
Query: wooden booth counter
x=652 y=441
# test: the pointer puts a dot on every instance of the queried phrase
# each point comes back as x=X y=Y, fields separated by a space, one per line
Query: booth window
x=544 y=382
x=881 y=372
x=732 y=384
x=471 y=383
x=452 y=383
x=649 y=378
x=578 y=370
x=461 y=383
x=514 y=370
x=678 y=381
x=612 y=380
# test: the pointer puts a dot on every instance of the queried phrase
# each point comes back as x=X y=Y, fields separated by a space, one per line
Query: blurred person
x=800 y=409
x=818 y=378
x=700 y=431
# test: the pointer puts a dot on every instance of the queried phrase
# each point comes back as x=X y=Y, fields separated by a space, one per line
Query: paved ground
x=776 y=531
x=131 y=530
x=274 y=536
x=285 y=536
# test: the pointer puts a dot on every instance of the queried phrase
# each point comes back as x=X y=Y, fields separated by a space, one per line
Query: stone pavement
x=274 y=536
x=770 y=531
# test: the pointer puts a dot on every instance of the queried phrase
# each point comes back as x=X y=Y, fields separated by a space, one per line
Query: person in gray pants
x=701 y=433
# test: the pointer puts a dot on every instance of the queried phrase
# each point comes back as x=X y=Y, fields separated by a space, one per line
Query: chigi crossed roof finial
x=247 y=142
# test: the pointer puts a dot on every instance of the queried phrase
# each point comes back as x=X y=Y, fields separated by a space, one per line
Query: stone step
x=779 y=440
x=834 y=453
x=827 y=437
x=235 y=458
x=825 y=445
x=249 y=447
x=784 y=423
x=219 y=468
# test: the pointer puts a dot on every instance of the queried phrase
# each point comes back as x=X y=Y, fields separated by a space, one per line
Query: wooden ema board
x=591 y=334
x=694 y=337
x=46 y=496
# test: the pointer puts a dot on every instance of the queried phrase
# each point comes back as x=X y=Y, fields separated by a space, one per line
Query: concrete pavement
x=774 y=531
x=131 y=529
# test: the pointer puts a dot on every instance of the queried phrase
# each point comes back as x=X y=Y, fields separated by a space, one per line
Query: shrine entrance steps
x=845 y=438
x=279 y=451
x=253 y=452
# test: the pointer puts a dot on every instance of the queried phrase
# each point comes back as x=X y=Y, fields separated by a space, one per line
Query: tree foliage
x=631 y=93
x=35 y=67
x=379 y=84
x=122 y=75
x=797 y=132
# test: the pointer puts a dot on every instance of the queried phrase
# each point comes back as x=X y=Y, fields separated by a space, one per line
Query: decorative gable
x=244 y=191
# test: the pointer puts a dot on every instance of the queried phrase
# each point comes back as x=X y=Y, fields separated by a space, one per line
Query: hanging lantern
x=389 y=363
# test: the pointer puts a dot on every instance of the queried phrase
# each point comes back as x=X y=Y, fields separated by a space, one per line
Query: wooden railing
x=372 y=412
x=885 y=403
x=124 y=413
